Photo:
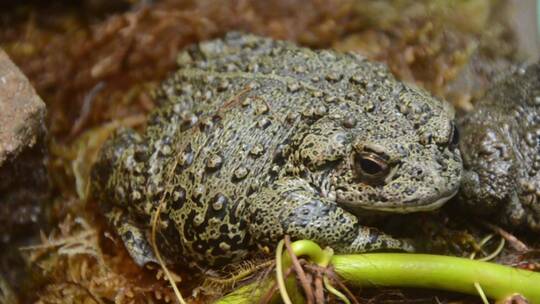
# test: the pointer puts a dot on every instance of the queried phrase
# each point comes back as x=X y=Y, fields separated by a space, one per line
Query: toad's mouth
x=403 y=206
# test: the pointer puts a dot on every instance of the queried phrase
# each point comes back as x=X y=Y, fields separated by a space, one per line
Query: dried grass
x=78 y=271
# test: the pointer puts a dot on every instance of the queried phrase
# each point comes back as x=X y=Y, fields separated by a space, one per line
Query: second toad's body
x=501 y=152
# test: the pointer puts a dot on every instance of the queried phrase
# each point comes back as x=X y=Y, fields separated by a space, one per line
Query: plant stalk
x=410 y=270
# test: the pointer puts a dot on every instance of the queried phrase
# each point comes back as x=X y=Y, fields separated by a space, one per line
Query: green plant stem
x=309 y=249
x=279 y=274
x=411 y=270
x=253 y=292
x=437 y=272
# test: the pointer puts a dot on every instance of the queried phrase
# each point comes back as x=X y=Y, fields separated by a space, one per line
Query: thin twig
x=335 y=278
x=510 y=238
x=318 y=272
x=86 y=109
x=331 y=289
x=156 y=249
x=319 y=291
x=301 y=275
x=158 y=255
x=234 y=100
x=268 y=296
x=481 y=246
x=496 y=252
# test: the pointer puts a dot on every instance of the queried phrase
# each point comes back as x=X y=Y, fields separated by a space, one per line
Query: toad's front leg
x=293 y=207
x=134 y=238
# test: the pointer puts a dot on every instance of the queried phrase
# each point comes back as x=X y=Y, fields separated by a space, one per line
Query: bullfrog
x=255 y=138
x=500 y=145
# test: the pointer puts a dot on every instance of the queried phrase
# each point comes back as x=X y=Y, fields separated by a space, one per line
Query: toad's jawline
x=401 y=208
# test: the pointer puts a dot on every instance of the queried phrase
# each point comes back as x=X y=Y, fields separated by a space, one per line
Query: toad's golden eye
x=370 y=167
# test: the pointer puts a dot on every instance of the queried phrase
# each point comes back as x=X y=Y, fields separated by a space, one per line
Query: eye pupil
x=369 y=166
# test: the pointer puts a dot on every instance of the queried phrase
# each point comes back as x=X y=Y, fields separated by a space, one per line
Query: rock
x=24 y=182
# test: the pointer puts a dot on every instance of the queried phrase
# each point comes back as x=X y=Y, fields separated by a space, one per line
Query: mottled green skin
x=501 y=152
x=256 y=138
